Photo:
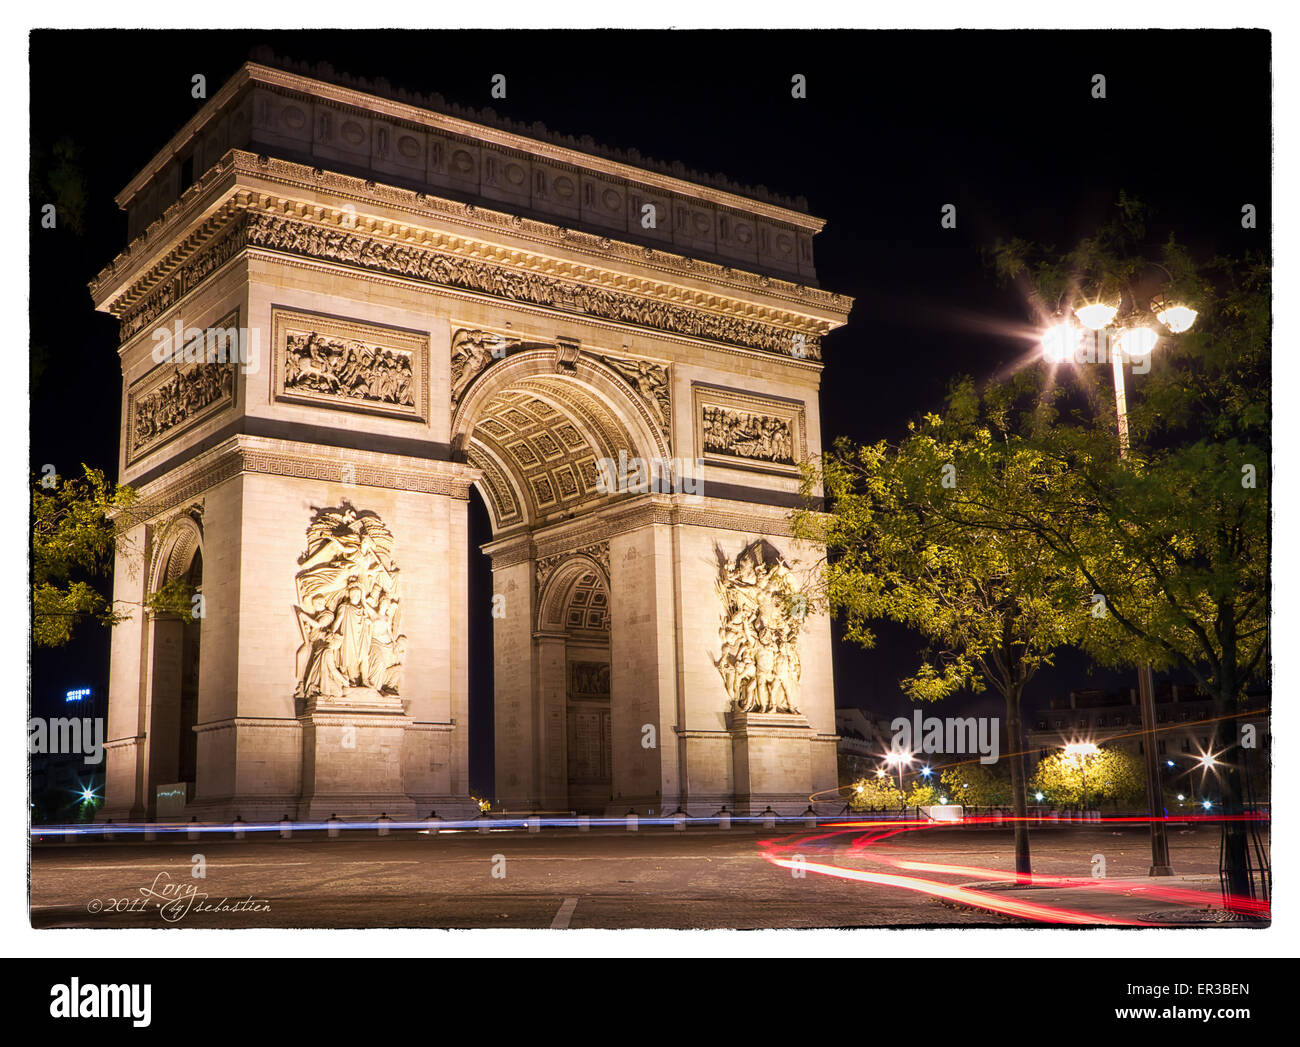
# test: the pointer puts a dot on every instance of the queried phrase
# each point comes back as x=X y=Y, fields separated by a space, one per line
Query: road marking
x=565 y=914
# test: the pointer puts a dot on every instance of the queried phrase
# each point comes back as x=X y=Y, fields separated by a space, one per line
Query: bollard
x=534 y=824
x=238 y=826
x=150 y=833
x=333 y=826
x=286 y=828
x=484 y=823
x=724 y=819
x=108 y=833
x=997 y=816
x=810 y=818
x=383 y=823
x=631 y=821
x=432 y=824
x=1053 y=816
x=679 y=820
x=584 y=823
x=192 y=832
x=769 y=817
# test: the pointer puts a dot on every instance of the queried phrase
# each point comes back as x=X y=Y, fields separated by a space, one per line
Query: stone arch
x=537 y=425
x=175 y=646
x=572 y=651
x=180 y=539
x=555 y=596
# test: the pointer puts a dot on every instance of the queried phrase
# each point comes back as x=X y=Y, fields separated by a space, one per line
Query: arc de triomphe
x=341 y=308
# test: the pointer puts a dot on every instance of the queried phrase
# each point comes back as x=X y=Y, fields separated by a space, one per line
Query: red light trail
x=865 y=834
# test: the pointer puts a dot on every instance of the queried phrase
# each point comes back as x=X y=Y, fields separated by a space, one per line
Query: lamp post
x=1136 y=339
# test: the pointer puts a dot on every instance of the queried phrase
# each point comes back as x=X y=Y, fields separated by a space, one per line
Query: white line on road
x=565 y=914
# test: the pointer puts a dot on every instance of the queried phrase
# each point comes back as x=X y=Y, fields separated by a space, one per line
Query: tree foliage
x=1110 y=775
x=874 y=794
x=977 y=785
x=75 y=534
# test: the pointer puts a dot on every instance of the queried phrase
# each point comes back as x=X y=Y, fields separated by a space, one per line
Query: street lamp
x=1135 y=339
x=1081 y=751
x=897 y=758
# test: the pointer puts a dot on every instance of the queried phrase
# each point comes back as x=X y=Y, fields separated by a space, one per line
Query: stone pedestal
x=772 y=761
x=352 y=759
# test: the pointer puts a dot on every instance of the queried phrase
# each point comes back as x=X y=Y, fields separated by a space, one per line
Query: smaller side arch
x=556 y=587
x=175 y=548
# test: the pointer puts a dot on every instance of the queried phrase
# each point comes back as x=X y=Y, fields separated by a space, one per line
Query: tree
x=1174 y=537
x=75 y=534
x=907 y=540
x=874 y=794
x=1107 y=774
x=922 y=795
x=977 y=785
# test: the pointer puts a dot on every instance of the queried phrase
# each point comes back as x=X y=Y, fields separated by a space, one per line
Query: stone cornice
x=667 y=511
x=250 y=220
x=256 y=454
x=124 y=277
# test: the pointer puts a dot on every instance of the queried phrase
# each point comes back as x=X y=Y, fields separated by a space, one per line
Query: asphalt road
x=701 y=878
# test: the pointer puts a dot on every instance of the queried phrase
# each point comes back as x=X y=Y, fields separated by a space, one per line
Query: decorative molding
x=350 y=365
x=235 y=456
x=546 y=565
x=758 y=432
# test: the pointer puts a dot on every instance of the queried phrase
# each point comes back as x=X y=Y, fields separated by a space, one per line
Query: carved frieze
x=756 y=432
x=762 y=615
x=176 y=396
x=349 y=609
x=349 y=364
x=281 y=233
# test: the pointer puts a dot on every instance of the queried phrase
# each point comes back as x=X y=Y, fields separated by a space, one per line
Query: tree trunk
x=1015 y=747
x=1235 y=872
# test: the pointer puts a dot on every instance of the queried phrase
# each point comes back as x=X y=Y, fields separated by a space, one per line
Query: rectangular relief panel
x=329 y=361
x=177 y=395
x=749 y=431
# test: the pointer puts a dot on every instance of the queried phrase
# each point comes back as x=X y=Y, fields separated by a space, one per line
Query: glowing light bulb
x=1178 y=318
x=1095 y=317
x=1137 y=342
x=1060 y=342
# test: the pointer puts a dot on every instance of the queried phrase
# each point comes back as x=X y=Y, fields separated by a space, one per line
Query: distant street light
x=1081 y=751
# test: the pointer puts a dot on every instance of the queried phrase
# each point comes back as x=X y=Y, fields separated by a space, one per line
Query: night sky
x=895 y=125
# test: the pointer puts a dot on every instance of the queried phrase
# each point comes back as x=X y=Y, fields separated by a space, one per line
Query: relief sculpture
x=348 y=368
x=183 y=396
x=745 y=435
x=651 y=383
x=349 y=608
x=762 y=614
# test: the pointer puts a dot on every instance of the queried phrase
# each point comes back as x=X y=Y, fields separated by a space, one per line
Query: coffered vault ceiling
x=538 y=445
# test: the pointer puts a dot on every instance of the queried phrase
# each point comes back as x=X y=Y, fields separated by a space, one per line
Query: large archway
x=537 y=422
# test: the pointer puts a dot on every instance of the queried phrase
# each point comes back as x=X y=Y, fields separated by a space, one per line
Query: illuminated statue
x=350 y=636
x=761 y=618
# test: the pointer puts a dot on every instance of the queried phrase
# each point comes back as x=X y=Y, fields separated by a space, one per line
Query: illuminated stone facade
x=431 y=303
